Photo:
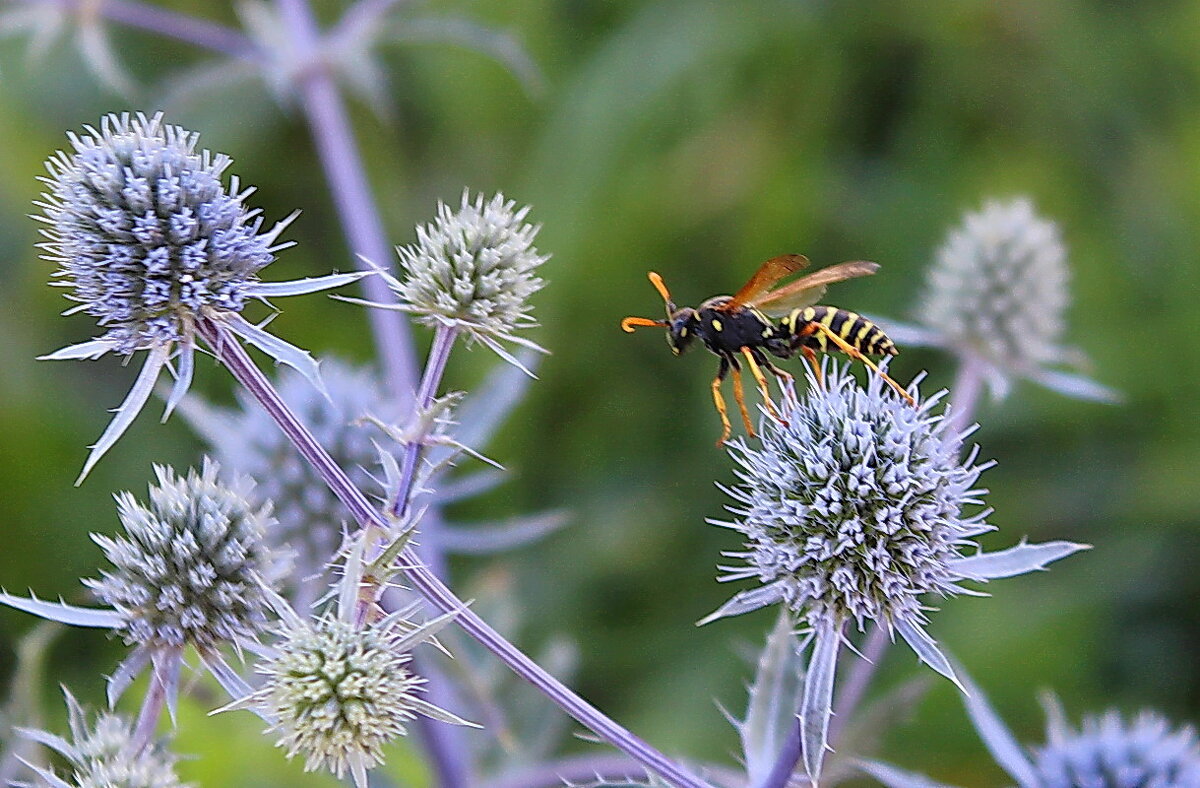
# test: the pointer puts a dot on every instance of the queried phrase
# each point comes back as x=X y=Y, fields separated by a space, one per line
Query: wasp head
x=681 y=324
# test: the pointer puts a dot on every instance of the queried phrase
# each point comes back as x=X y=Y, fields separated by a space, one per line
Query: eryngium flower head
x=105 y=755
x=153 y=245
x=473 y=269
x=1107 y=751
x=337 y=693
x=1110 y=752
x=999 y=285
x=997 y=294
x=247 y=441
x=857 y=506
x=189 y=568
x=145 y=232
x=853 y=508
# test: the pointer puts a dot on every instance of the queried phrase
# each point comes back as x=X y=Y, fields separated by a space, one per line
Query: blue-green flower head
x=1108 y=751
x=104 y=753
x=151 y=242
x=190 y=566
x=145 y=233
x=854 y=508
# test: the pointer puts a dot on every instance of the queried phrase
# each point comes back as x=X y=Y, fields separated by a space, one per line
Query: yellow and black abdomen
x=854 y=329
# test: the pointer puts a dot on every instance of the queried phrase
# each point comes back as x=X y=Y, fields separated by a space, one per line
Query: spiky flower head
x=997 y=296
x=190 y=566
x=105 y=755
x=247 y=441
x=152 y=244
x=853 y=508
x=336 y=692
x=1108 y=751
x=999 y=285
x=146 y=233
x=473 y=268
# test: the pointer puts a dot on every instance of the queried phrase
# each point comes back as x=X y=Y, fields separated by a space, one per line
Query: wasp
x=758 y=320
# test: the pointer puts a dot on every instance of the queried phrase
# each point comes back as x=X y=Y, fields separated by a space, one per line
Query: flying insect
x=757 y=320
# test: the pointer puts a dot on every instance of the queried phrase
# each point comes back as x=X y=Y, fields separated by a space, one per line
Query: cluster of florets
x=104 y=754
x=474 y=267
x=999 y=285
x=338 y=693
x=145 y=232
x=1108 y=752
x=191 y=564
x=855 y=506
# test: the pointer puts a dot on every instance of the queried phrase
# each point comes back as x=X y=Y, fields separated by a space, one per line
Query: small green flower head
x=104 y=755
x=473 y=268
x=190 y=567
x=1000 y=286
x=337 y=693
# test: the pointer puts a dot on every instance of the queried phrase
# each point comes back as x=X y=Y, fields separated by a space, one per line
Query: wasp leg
x=753 y=358
x=810 y=356
x=719 y=401
x=857 y=355
x=740 y=396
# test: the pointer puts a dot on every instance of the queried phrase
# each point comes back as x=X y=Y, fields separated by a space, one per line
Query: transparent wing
x=764 y=278
x=807 y=290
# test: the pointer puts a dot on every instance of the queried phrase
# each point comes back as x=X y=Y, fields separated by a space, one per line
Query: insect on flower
x=742 y=324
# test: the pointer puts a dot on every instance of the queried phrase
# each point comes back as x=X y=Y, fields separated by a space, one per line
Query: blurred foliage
x=696 y=138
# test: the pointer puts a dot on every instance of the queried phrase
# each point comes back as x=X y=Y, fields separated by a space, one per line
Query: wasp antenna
x=661 y=287
x=630 y=323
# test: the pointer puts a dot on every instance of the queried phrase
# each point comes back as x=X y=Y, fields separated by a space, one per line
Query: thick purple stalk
x=968 y=384
x=435 y=368
x=227 y=350
x=331 y=132
x=190 y=29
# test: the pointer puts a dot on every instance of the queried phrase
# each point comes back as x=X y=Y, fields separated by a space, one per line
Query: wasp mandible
x=781 y=322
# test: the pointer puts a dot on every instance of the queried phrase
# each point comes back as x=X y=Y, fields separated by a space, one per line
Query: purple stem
x=234 y=357
x=190 y=29
x=435 y=368
x=329 y=124
x=968 y=385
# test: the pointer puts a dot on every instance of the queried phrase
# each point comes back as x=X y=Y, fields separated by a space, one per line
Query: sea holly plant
x=1104 y=751
x=854 y=508
x=151 y=242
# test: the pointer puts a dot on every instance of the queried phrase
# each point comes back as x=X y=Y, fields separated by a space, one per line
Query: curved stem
x=182 y=27
x=968 y=385
x=235 y=358
x=329 y=124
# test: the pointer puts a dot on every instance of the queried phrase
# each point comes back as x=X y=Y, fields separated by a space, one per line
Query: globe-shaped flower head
x=473 y=270
x=150 y=242
x=337 y=690
x=191 y=569
x=1105 y=751
x=104 y=754
x=853 y=509
x=997 y=295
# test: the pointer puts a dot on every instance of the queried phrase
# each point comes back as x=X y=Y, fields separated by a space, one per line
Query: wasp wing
x=764 y=278
x=807 y=290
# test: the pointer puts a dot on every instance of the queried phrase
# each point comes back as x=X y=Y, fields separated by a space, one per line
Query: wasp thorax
x=682 y=330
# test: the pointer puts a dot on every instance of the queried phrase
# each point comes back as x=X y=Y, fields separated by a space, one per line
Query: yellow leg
x=761 y=380
x=719 y=401
x=810 y=356
x=854 y=353
x=740 y=396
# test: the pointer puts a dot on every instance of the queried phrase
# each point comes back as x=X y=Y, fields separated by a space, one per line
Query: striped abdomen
x=858 y=332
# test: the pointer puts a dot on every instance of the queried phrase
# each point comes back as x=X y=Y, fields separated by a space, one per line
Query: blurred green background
x=697 y=139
